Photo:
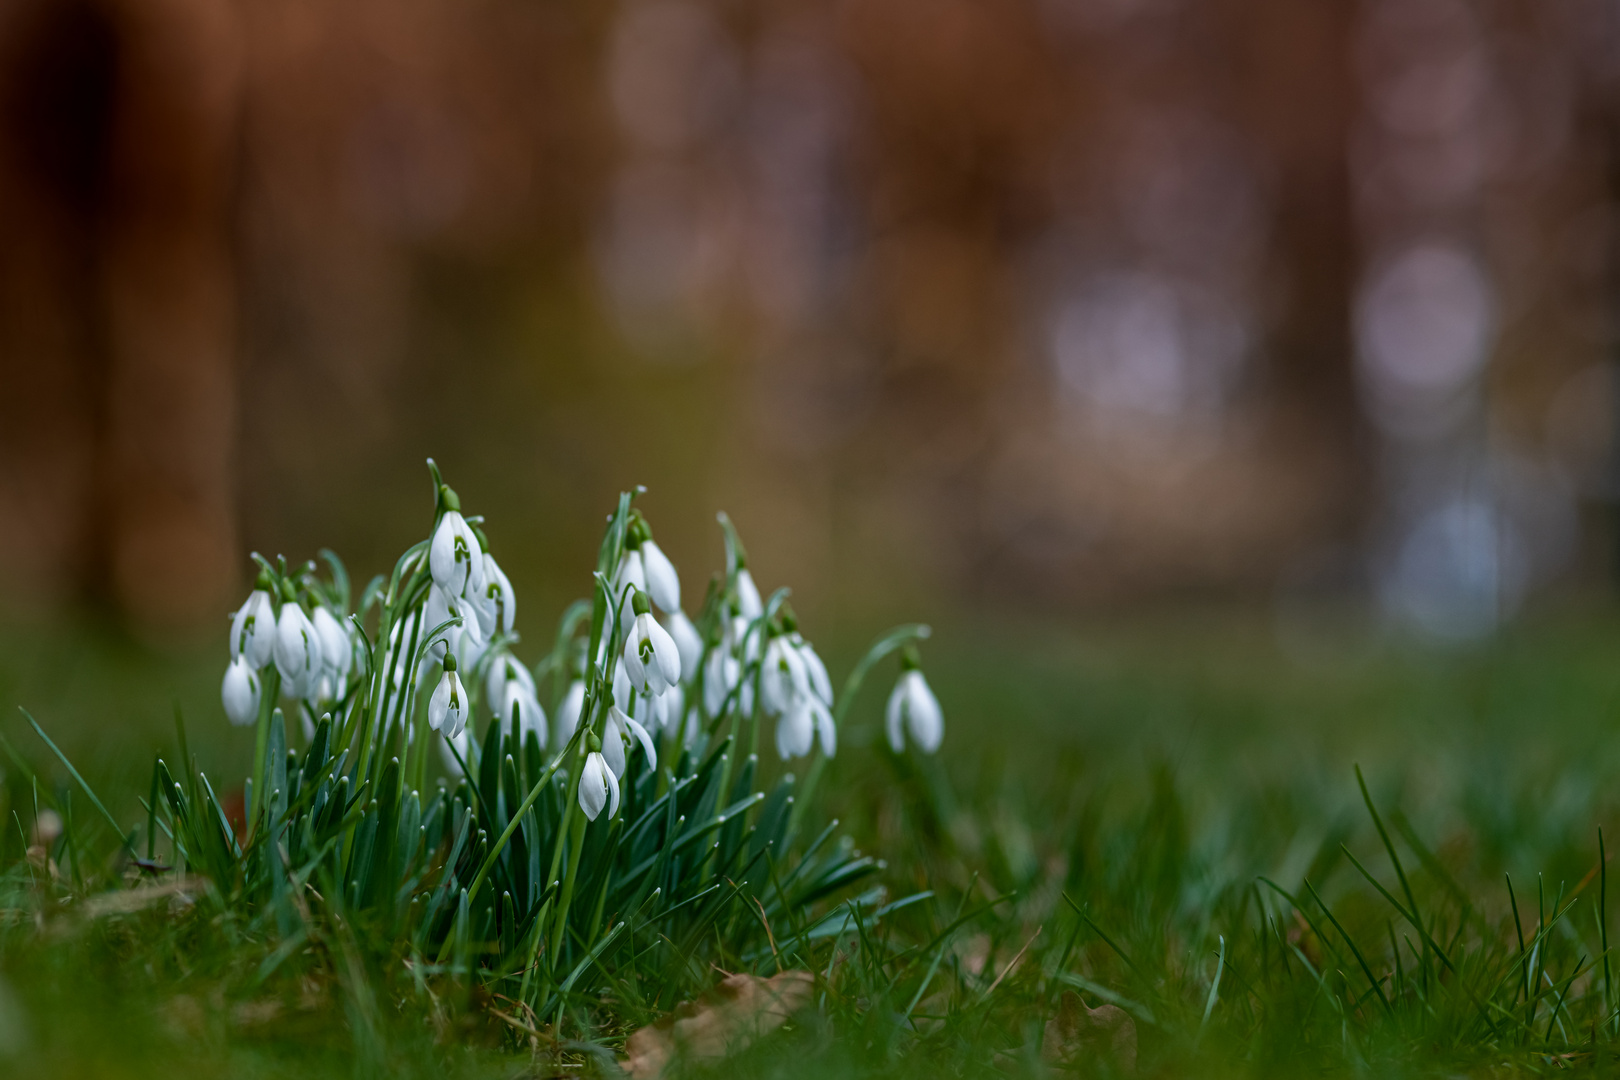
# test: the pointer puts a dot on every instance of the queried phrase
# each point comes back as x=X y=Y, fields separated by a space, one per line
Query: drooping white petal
x=782 y=677
x=668 y=708
x=665 y=651
x=794 y=732
x=663 y=584
x=593 y=786
x=253 y=629
x=635 y=668
x=748 y=603
x=298 y=653
x=447 y=709
x=631 y=572
x=613 y=740
x=646 y=741
x=239 y=692
x=502 y=670
x=826 y=730
x=816 y=672
x=894 y=715
x=336 y=652
x=573 y=703
x=720 y=674
x=500 y=602
x=687 y=640
x=521 y=713
x=454 y=559
x=622 y=690
x=924 y=721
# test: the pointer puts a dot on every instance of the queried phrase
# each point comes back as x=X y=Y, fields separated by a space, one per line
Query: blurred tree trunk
x=117 y=139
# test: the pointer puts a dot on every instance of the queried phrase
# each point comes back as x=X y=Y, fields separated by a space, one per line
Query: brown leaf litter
x=1077 y=1032
x=724 y=1021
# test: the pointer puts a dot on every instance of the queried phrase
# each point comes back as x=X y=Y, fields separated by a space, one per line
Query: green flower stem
x=895 y=639
x=576 y=848
x=271 y=691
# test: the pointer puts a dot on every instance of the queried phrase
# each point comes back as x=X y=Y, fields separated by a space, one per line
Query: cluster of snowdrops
x=674 y=681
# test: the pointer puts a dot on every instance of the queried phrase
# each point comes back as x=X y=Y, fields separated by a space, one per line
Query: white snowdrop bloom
x=618 y=730
x=687 y=641
x=253 y=629
x=336 y=649
x=497 y=604
x=745 y=639
x=240 y=692
x=598 y=787
x=650 y=657
x=573 y=703
x=454 y=557
x=748 y=602
x=622 y=690
x=663 y=584
x=510 y=691
x=665 y=710
x=815 y=670
x=720 y=674
x=631 y=572
x=914 y=710
x=467 y=640
x=298 y=652
x=782 y=677
x=447 y=709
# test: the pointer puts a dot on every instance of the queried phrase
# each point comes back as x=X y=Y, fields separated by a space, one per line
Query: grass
x=1162 y=814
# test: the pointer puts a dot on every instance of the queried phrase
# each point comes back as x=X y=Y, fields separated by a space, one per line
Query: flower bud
x=298 y=652
x=447 y=709
x=454 y=557
x=240 y=692
x=597 y=786
x=336 y=650
x=253 y=629
x=662 y=582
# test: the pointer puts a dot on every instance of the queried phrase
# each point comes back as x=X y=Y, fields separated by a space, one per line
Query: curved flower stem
x=895 y=639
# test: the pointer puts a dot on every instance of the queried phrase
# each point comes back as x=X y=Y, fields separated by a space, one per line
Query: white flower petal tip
x=688 y=642
x=573 y=703
x=598 y=787
x=913 y=710
x=454 y=558
x=748 y=602
x=336 y=649
x=663 y=583
x=253 y=629
x=651 y=658
x=497 y=608
x=298 y=653
x=447 y=709
x=240 y=692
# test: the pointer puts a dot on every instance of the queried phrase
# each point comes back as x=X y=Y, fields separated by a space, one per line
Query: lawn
x=1157 y=817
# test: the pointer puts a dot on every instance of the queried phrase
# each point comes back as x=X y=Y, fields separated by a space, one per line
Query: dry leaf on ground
x=724 y=1021
x=1077 y=1031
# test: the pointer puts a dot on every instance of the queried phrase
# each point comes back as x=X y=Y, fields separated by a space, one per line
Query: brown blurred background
x=1027 y=302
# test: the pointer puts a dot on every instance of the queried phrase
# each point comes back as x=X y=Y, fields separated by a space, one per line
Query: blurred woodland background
x=1045 y=303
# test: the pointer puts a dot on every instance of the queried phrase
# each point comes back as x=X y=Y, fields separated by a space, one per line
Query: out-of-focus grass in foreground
x=1161 y=814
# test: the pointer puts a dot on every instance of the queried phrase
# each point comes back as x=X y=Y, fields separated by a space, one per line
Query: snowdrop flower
x=782 y=678
x=814 y=670
x=663 y=584
x=573 y=703
x=720 y=675
x=650 y=657
x=618 y=730
x=467 y=641
x=497 y=605
x=447 y=709
x=510 y=691
x=801 y=725
x=631 y=572
x=253 y=628
x=335 y=647
x=298 y=652
x=748 y=602
x=240 y=692
x=687 y=641
x=664 y=711
x=913 y=709
x=454 y=557
x=622 y=690
x=597 y=786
